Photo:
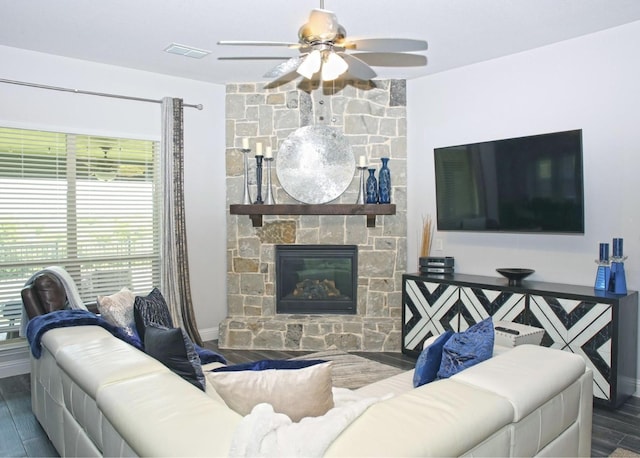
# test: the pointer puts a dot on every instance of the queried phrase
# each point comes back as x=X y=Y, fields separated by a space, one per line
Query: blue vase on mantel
x=372 y=187
x=384 y=182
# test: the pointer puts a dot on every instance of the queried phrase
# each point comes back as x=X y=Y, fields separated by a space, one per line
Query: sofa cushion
x=117 y=309
x=467 y=348
x=443 y=418
x=429 y=360
x=151 y=309
x=161 y=415
x=527 y=386
x=93 y=358
x=174 y=349
x=297 y=393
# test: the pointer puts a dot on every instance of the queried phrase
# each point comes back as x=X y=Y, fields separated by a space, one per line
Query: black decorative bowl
x=515 y=275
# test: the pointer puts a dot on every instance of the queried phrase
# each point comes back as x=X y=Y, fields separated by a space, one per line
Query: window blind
x=89 y=204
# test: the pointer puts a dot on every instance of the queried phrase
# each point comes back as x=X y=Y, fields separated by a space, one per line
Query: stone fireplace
x=316 y=279
x=372 y=116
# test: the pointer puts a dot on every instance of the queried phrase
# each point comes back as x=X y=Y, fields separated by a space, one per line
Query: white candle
x=258 y=149
x=268 y=153
x=245 y=143
x=363 y=161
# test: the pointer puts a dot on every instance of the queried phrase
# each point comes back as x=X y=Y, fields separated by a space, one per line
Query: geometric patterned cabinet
x=599 y=326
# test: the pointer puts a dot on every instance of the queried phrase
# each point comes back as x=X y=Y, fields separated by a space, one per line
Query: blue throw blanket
x=38 y=325
x=64 y=318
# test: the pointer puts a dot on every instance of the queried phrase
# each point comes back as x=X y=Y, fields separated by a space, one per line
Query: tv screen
x=525 y=184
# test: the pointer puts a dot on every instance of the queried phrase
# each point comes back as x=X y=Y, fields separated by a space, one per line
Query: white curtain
x=175 y=282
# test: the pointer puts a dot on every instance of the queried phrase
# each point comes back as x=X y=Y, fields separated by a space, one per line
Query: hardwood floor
x=22 y=436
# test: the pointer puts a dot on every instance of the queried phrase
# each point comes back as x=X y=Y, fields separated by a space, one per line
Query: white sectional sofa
x=95 y=395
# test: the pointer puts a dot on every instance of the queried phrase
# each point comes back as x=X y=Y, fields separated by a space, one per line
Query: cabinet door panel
x=429 y=309
x=584 y=328
x=476 y=304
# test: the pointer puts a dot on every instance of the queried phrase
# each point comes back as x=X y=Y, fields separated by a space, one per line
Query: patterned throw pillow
x=151 y=309
x=174 y=349
x=468 y=348
x=117 y=309
x=429 y=361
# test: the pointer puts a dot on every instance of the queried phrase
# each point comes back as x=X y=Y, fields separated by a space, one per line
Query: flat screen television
x=527 y=184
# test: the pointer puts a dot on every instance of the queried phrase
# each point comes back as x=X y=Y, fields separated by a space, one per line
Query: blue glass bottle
x=372 y=187
x=384 y=182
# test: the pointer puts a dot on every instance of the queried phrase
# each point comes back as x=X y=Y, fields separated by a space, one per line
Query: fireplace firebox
x=316 y=279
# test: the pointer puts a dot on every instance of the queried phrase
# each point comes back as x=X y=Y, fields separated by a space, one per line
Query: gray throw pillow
x=174 y=349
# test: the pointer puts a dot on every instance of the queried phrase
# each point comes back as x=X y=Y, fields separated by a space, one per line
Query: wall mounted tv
x=526 y=184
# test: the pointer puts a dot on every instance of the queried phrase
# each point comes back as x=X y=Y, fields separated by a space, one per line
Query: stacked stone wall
x=372 y=116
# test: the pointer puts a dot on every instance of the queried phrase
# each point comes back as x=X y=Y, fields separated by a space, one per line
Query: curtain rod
x=101 y=94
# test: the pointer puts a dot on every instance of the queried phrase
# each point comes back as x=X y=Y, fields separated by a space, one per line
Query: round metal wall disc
x=315 y=164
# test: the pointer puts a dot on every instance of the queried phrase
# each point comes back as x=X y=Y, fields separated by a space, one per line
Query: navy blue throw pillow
x=174 y=349
x=265 y=364
x=429 y=360
x=151 y=309
x=468 y=348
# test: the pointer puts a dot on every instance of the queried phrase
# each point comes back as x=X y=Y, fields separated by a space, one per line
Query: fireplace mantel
x=255 y=211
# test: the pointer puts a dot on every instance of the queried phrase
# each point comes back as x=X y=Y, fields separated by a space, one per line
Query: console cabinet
x=601 y=327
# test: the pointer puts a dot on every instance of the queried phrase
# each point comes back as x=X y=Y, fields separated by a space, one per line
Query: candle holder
x=246 y=199
x=361 y=189
x=269 y=200
x=259 y=180
x=604 y=271
x=617 y=277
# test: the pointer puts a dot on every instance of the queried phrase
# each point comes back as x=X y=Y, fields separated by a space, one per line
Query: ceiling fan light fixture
x=311 y=65
x=322 y=26
x=333 y=66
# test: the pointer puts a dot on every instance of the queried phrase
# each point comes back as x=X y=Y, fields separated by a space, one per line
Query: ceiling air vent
x=188 y=51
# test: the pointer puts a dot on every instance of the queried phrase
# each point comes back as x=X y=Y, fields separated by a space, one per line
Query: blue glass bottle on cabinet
x=384 y=182
x=372 y=187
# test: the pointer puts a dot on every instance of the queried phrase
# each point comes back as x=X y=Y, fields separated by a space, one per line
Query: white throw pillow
x=297 y=393
x=117 y=309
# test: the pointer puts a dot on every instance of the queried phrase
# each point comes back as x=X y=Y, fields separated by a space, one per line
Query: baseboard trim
x=14 y=360
x=208 y=334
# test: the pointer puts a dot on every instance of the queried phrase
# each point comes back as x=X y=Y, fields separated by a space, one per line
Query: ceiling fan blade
x=391 y=59
x=357 y=68
x=259 y=43
x=285 y=68
x=386 y=45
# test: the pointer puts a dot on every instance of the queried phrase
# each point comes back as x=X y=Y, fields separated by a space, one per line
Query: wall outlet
x=438 y=245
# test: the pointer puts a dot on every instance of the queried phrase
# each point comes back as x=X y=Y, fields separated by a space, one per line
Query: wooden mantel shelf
x=255 y=211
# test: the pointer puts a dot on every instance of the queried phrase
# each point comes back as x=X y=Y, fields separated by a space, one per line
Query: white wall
x=204 y=140
x=589 y=83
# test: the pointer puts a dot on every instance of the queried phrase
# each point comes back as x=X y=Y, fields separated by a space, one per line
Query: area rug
x=622 y=453
x=352 y=371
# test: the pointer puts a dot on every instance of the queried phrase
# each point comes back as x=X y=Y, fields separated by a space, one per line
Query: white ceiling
x=134 y=33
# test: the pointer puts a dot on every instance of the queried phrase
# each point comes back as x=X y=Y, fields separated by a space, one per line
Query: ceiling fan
x=325 y=51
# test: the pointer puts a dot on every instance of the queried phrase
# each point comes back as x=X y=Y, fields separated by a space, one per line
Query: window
x=89 y=204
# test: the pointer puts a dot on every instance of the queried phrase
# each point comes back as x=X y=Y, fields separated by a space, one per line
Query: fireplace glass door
x=316 y=279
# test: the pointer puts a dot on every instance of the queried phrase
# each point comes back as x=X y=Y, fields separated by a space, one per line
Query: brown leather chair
x=43 y=295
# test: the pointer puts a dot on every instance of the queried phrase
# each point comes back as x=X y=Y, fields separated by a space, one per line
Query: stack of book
x=436 y=265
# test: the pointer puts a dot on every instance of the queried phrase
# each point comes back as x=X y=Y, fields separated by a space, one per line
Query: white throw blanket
x=265 y=433
x=70 y=288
